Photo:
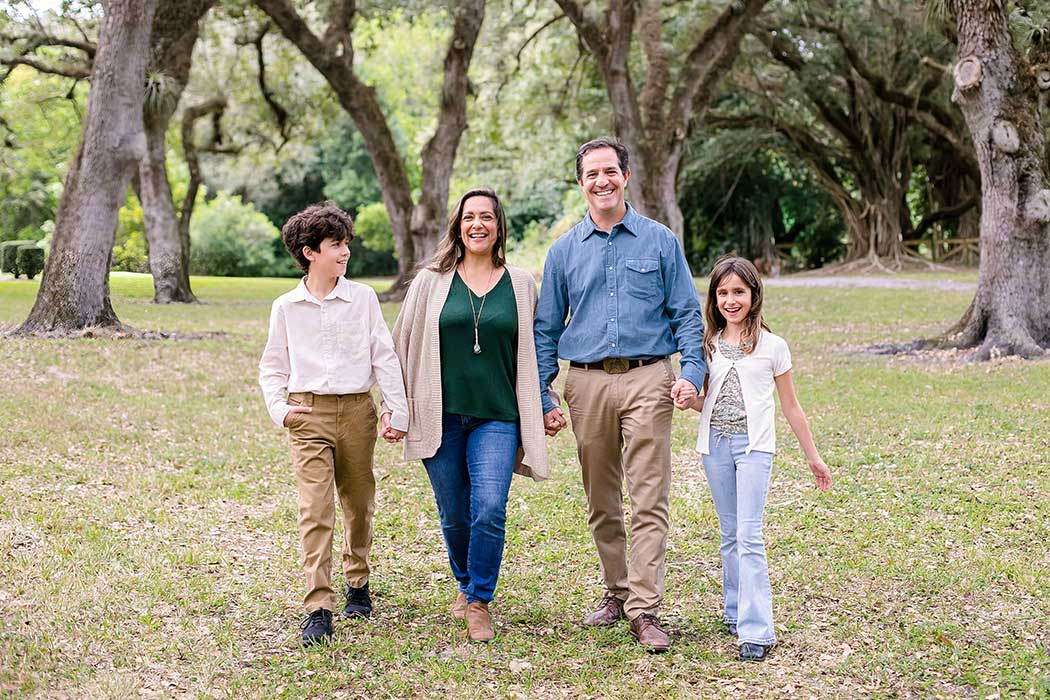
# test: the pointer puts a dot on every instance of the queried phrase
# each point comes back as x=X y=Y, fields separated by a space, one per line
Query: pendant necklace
x=477 y=314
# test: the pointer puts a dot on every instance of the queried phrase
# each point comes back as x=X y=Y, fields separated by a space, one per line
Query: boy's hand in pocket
x=292 y=410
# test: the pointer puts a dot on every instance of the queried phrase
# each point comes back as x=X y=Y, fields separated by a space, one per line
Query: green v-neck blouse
x=482 y=385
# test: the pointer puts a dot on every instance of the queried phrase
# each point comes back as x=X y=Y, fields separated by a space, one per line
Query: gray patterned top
x=728 y=415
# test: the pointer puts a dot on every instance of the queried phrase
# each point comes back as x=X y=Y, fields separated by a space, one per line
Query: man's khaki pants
x=332 y=449
x=622 y=424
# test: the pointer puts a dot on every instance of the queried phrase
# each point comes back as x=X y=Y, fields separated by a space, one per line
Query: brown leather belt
x=616 y=365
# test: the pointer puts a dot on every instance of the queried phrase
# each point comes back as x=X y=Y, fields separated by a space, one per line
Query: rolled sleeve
x=387 y=367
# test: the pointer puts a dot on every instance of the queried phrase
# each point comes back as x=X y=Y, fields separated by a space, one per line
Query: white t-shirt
x=771 y=358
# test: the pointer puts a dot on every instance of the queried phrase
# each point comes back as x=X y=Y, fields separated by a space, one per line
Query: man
x=632 y=300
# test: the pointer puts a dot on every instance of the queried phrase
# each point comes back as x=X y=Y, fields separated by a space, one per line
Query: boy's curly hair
x=314 y=224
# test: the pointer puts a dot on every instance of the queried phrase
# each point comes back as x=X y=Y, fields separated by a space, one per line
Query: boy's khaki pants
x=332 y=449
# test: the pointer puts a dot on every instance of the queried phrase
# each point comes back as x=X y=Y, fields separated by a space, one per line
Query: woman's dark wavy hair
x=314 y=224
x=450 y=250
x=715 y=322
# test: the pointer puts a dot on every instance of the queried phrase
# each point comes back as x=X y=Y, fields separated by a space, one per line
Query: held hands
x=292 y=410
x=683 y=393
x=391 y=435
x=821 y=473
x=553 y=421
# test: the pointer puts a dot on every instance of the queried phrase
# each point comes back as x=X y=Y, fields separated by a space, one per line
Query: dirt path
x=876 y=282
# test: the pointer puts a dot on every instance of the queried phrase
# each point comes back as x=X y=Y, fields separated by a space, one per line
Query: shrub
x=8 y=256
x=30 y=259
x=231 y=239
x=372 y=225
x=129 y=246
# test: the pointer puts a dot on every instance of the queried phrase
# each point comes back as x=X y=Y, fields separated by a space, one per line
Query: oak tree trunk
x=174 y=34
x=74 y=290
x=999 y=99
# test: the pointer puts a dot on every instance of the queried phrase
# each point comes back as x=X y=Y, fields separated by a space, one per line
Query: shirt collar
x=628 y=223
x=341 y=291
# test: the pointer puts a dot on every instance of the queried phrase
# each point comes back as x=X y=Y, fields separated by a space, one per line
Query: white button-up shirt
x=339 y=345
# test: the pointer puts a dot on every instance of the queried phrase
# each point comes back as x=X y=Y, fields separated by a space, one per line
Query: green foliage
x=29 y=260
x=9 y=256
x=130 y=252
x=230 y=238
x=738 y=194
x=42 y=118
x=373 y=228
x=346 y=168
x=337 y=168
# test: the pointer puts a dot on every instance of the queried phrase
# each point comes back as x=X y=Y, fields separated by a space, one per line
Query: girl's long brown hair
x=450 y=251
x=715 y=322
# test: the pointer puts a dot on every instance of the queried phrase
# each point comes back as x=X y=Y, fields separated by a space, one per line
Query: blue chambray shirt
x=628 y=293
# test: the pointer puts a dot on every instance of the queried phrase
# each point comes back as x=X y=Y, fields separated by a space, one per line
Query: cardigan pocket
x=415 y=427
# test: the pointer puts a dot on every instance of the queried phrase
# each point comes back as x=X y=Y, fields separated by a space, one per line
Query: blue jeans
x=739 y=484
x=471 y=474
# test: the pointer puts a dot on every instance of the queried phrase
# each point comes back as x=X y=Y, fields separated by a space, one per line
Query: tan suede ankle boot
x=479 y=623
x=459 y=608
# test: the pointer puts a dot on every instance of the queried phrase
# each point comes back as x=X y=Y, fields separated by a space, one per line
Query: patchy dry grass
x=148 y=546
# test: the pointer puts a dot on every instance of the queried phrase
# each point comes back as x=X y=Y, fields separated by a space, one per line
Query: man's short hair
x=595 y=144
x=314 y=224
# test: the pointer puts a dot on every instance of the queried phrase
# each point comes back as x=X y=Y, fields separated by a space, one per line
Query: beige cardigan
x=417 y=344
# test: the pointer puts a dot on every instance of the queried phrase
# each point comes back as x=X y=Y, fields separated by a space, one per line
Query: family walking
x=466 y=383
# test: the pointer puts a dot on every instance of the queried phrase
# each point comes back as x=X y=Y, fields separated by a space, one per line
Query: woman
x=464 y=337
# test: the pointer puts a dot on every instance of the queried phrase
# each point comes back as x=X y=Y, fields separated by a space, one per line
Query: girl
x=745 y=361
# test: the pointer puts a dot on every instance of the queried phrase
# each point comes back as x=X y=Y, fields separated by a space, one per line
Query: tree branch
x=74 y=71
x=215 y=106
x=953 y=212
x=658 y=67
x=280 y=113
x=710 y=58
x=587 y=28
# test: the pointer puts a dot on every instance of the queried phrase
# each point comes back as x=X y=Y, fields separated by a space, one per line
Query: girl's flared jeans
x=739 y=484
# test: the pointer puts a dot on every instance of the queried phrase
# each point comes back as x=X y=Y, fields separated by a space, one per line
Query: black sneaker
x=358 y=602
x=317 y=627
x=749 y=651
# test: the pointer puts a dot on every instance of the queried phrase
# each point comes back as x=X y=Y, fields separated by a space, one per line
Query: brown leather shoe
x=459 y=608
x=479 y=623
x=646 y=629
x=607 y=613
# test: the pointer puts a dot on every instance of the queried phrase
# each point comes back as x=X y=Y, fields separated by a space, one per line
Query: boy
x=328 y=346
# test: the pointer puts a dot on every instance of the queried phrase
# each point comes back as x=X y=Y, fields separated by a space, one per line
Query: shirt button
x=610 y=267
x=610 y=294
x=610 y=242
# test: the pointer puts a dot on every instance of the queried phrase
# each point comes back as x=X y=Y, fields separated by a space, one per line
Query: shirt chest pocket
x=352 y=339
x=642 y=278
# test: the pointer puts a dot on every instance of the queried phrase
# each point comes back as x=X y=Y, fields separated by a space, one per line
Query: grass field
x=148 y=545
